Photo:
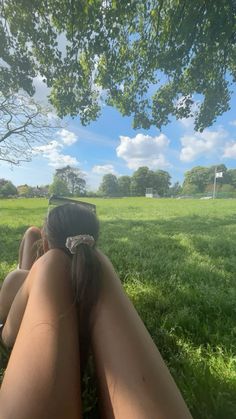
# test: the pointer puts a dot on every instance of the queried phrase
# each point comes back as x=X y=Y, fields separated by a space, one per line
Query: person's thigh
x=133 y=379
x=42 y=379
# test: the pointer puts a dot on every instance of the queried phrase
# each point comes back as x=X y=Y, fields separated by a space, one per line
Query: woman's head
x=69 y=220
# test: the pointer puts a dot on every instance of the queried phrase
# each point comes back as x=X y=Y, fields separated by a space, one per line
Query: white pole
x=214 y=188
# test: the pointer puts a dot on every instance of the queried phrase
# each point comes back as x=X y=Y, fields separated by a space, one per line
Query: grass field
x=177 y=260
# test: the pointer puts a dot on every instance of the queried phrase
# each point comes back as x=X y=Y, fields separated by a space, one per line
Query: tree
x=7 y=188
x=175 y=190
x=179 y=48
x=109 y=185
x=26 y=191
x=190 y=189
x=124 y=183
x=142 y=178
x=23 y=125
x=232 y=176
x=161 y=182
x=73 y=180
x=227 y=188
x=219 y=168
x=197 y=179
x=201 y=177
x=59 y=187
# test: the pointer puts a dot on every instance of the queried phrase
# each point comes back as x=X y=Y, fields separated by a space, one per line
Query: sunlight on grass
x=177 y=261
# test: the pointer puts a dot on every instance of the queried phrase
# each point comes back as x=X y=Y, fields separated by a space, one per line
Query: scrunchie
x=73 y=242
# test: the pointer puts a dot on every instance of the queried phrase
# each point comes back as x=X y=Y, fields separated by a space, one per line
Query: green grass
x=177 y=260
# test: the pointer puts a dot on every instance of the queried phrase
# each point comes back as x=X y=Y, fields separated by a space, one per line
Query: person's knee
x=10 y=287
x=33 y=233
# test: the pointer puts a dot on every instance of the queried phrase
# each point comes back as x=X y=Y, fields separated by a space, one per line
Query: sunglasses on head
x=60 y=200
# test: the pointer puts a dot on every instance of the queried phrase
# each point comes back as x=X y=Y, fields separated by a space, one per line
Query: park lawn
x=177 y=261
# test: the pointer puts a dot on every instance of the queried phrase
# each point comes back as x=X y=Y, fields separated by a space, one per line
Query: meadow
x=177 y=261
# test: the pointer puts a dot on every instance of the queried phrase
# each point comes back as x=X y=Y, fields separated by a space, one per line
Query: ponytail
x=86 y=282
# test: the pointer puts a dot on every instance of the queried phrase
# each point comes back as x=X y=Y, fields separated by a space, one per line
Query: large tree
x=232 y=177
x=161 y=182
x=72 y=178
x=124 y=183
x=59 y=187
x=24 y=124
x=118 y=50
x=7 y=188
x=199 y=178
x=142 y=178
x=109 y=185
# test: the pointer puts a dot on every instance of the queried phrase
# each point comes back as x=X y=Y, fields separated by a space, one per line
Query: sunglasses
x=60 y=200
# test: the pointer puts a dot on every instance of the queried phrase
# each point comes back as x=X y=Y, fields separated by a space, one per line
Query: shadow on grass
x=184 y=290
x=180 y=274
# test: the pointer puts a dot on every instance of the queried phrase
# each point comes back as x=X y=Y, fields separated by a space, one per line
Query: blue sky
x=110 y=145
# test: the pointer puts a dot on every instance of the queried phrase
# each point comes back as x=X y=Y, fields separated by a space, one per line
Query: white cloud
x=53 y=152
x=104 y=169
x=67 y=137
x=143 y=150
x=60 y=160
x=230 y=150
x=187 y=123
x=199 y=144
x=54 y=156
x=48 y=148
x=233 y=123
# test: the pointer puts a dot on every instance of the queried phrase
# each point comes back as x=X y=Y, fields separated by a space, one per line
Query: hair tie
x=73 y=242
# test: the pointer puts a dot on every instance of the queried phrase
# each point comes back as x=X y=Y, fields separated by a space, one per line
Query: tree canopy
x=200 y=179
x=109 y=185
x=68 y=181
x=7 y=188
x=149 y=59
x=144 y=178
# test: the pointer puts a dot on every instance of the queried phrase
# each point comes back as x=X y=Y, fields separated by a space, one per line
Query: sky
x=110 y=145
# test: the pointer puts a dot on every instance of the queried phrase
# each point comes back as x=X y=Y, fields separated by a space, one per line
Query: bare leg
x=10 y=287
x=134 y=381
x=15 y=279
x=28 y=249
x=42 y=379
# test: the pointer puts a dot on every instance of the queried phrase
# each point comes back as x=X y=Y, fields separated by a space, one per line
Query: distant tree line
x=200 y=179
x=69 y=181
x=7 y=189
x=136 y=184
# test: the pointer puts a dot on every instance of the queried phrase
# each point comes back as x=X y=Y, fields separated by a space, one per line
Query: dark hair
x=70 y=220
